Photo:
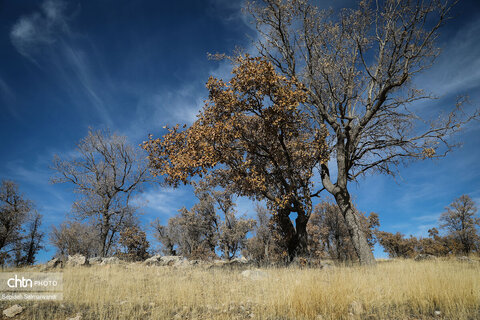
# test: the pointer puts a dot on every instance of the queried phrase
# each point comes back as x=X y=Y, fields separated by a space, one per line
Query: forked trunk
x=359 y=240
x=295 y=236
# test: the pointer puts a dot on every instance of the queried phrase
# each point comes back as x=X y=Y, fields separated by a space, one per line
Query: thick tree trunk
x=301 y=233
x=359 y=240
x=342 y=197
x=295 y=236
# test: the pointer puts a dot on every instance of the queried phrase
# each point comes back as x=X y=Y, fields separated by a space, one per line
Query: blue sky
x=135 y=66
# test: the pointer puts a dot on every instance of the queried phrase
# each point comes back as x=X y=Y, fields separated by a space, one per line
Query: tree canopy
x=105 y=174
x=252 y=137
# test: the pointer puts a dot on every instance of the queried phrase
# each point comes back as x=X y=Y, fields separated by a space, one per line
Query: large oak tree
x=253 y=138
x=356 y=68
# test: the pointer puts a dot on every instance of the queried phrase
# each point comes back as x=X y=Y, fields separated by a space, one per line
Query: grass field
x=402 y=289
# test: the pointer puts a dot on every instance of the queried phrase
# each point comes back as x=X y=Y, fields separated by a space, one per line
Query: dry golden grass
x=401 y=289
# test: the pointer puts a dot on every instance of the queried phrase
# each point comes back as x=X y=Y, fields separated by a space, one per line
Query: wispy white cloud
x=162 y=201
x=231 y=10
x=81 y=68
x=427 y=217
x=457 y=70
x=39 y=28
x=155 y=109
x=181 y=105
x=44 y=37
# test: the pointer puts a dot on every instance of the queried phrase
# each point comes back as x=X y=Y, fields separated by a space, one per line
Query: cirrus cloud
x=39 y=28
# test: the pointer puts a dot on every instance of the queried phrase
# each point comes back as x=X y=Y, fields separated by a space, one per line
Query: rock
x=465 y=259
x=153 y=261
x=422 y=257
x=235 y=264
x=77 y=260
x=110 y=260
x=255 y=274
x=172 y=261
x=54 y=263
x=95 y=260
x=12 y=311
x=356 y=308
x=437 y=313
x=241 y=260
x=77 y=317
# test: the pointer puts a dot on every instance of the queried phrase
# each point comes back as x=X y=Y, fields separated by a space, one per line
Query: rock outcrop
x=77 y=260
x=54 y=263
x=110 y=260
x=172 y=261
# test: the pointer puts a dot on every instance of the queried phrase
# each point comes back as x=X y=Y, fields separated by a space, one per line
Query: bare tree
x=200 y=231
x=192 y=233
x=267 y=244
x=74 y=237
x=357 y=68
x=14 y=212
x=232 y=230
x=106 y=174
x=32 y=243
x=166 y=235
x=461 y=222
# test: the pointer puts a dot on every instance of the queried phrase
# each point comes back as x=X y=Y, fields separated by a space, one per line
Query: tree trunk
x=295 y=236
x=359 y=240
x=103 y=238
x=301 y=234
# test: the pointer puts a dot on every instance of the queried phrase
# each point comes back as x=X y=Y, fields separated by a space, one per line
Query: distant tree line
x=106 y=174
x=199 y=233
x=460 y=225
